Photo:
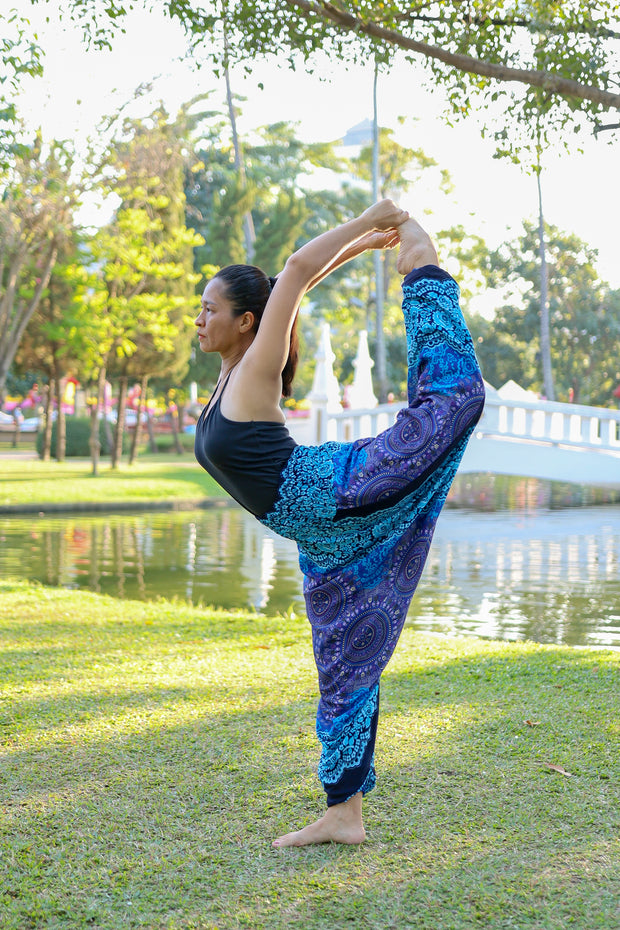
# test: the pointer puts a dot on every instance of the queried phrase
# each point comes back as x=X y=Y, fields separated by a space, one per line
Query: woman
x=362 y=513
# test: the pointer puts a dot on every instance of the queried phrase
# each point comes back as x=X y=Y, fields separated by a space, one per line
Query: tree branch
x=8 y=297
x=552 y=83
x=597 y=32
x=22 y=319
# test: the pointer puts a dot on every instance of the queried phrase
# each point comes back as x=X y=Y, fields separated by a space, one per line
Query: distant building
x=361 y=134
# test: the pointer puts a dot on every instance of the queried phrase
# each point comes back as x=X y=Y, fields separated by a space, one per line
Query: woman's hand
x=384 y=215
x=380 y=239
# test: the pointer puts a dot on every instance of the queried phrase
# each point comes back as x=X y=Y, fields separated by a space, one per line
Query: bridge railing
x=545 y=422
x=577 y=425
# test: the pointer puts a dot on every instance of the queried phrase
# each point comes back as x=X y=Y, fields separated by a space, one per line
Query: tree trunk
x=174 y=412
x=46 y=452
x=119 y=432
x=17 y=318
x=61 y=431
x=17 y=428
x=95 y=443
x=151 y=432
x=138 y=430
x=545 y=330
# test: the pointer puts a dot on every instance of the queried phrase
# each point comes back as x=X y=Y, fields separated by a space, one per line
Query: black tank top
x=245 y=458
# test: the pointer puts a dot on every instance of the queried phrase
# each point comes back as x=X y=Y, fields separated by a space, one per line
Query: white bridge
x=530 y=438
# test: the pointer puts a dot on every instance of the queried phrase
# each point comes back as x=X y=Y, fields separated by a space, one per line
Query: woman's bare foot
x=341 y=823
x=416 y=248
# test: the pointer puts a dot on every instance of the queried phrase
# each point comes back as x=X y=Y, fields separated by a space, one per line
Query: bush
x=78 y=438
x=165 y=442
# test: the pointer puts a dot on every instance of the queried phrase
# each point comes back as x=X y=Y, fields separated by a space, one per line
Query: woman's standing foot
x=341 y=823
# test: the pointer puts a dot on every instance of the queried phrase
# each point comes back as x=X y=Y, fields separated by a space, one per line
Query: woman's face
x=218 y=329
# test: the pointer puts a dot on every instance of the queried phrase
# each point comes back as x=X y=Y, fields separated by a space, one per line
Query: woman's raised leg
x=416 y=248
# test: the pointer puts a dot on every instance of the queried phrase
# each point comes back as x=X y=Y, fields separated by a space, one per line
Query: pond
x=511 y=559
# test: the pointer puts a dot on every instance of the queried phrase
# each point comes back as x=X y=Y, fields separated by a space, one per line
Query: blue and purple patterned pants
x=363 y=516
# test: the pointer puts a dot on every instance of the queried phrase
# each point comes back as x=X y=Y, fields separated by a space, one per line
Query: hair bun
x=272 y=282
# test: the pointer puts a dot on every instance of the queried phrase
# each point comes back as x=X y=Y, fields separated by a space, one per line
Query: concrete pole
x=378 y=257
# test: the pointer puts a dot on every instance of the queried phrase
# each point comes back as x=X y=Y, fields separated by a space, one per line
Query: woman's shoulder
x=252 y=395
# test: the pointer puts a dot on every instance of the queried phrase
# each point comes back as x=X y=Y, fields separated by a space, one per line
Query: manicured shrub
x=78 y=438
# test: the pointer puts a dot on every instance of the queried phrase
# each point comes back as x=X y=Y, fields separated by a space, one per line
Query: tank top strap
x=206 y=410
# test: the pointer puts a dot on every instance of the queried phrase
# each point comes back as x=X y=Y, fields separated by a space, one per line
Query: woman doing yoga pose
x=362 y=513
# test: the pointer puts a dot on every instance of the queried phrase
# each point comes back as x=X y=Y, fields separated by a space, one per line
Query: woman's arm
x=307 y=267
x=385 y=239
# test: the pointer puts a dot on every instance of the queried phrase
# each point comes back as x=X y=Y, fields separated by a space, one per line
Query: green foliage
x=20 y=57
x=540 y=61
x=274 y=190
x=39 y=200
x=584 y=315
x=165 y=443
x=399 y=166
x=20 y=383
x=145 y=291
x=280 y=226
x=224 y=225
x=52 y=342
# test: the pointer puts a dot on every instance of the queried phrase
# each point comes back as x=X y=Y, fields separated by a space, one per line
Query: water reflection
x=548 y=576
x=219 y=557
x=551 y=575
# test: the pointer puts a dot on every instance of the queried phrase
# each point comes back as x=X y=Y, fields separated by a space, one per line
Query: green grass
x=151 y=751
x=32 y=481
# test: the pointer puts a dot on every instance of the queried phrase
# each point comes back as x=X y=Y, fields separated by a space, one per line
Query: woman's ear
x=246 y=322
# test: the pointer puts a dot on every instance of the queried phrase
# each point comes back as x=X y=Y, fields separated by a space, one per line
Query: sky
x=490 y=197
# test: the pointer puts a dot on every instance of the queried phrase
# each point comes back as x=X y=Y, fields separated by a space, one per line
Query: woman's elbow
x=299 y=266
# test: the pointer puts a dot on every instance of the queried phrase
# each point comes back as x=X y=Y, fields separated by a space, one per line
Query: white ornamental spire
x=325 y=388
x=361 y=394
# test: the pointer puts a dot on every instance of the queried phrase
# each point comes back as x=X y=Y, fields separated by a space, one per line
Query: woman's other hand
x=385 y=215
x=381 y=239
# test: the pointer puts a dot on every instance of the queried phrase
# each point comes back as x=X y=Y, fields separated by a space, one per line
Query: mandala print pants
x=363 y=516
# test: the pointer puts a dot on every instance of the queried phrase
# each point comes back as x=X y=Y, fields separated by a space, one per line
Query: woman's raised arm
x=305 y=268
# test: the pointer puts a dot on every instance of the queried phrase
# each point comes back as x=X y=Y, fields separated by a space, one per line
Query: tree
x=583 y=312
x=151 y=261
x=139 y=264
x=20 y=57
x=36 y=217
x=284 y=210
x=52 y=343
x=569 y=51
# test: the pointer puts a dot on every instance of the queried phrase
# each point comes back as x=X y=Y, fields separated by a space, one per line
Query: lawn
x=28 y=482
x=151 y=751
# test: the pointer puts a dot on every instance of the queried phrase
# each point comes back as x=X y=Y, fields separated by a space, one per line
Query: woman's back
x=245 y=457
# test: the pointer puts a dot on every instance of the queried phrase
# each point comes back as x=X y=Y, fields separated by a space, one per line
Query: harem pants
x=363 y=516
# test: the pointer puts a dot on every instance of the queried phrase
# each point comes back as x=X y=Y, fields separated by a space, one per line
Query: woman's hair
x=248 y=288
